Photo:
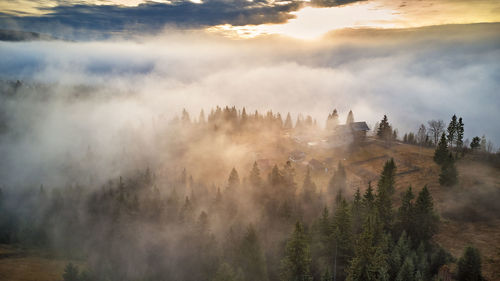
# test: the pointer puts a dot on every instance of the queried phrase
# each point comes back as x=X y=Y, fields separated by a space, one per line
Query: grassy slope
x=420 y=170
x=23 y=265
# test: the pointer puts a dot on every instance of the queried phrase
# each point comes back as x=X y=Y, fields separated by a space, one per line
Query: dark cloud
x=331 y=3
x=88 y=20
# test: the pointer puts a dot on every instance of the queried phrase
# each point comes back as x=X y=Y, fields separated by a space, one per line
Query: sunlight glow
x=311 y=23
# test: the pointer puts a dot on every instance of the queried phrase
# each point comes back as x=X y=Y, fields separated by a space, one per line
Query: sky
x=412 y=60
x=305 y=19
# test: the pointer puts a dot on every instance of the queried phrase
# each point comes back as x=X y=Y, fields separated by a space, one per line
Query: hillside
x=468 y=211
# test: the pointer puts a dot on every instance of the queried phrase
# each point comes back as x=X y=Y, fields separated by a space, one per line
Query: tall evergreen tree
x=469 y=265
x=308 y=187
x=368 y=200
x=70 y=273
x=460 y=133
x=338 y=182
x=369 y=262
x=452 y=130
x=254 y=177
x=426 y=219
x=234 y=180
x=350 y=117
x=297 y=261
x=343 y=239
x=441 y=152
x=288 y=122
x=387 y=177
x=449 y=173
x=252 y=259
x=405 y=216
x=384 y=130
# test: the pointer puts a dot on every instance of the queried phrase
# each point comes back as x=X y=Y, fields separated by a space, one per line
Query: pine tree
x=441 y=153
x=255 y=179
x=343 y=238
x=70 y=273
x=449 y=173
x=452 y=130
x=407 y=271
x=405 y=217
x=309 y=187
x=201 y=118
x=252 y=259
x=357 y=213
x=476 y=143
x=426 y=219
x=460 y=133
x=384 y=130
x=297 y=261
x=338 y=182
x=369 y=262
x=385 y=190
x=387 y=178
x=350 y=117
x=469 y=265
x=288 y=122
x=368 y=201
x=233 y=180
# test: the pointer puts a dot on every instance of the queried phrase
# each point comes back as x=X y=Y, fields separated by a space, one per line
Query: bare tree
x=421 y=135
x=436 y=128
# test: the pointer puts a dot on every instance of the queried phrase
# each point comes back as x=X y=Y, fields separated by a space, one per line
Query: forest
x=230 y=203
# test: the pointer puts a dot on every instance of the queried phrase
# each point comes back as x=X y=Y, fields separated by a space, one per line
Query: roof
x=359 y=126
x=353 y=127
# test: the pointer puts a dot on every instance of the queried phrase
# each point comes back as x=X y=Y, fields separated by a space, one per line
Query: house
x=348 y=133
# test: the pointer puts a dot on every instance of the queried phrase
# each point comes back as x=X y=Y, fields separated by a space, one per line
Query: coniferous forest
x=226 y=205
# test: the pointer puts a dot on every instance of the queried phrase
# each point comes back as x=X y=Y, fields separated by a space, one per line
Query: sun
x=311 y=23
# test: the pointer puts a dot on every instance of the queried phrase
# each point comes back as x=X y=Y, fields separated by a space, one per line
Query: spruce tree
x=254 y=177
x=407 y=271
x=426 y=220
x=288 y=122
x=387 y=177
x=343 y=238
x=368 y=201
x=308 y=187
x=469 y=265
x=476 y=143
x=384 y=130
x=452 y=130
x=252 y=259
x=338 y=182
x=350 y=117
x=405 y=217
x=460 y=133
x=369 y=262
x=296 y=264
x=70 y=273
x=441 y=152
x=449 y=173
x=233 y=180
x=385 y=189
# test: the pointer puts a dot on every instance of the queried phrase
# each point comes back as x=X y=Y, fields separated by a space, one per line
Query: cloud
x=105 y=94
x=150 y=16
